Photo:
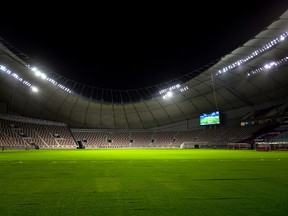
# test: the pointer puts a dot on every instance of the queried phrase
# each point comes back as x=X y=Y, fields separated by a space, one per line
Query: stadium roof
x=252 y=74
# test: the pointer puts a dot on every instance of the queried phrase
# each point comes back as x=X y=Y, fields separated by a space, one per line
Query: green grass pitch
x=162 y=182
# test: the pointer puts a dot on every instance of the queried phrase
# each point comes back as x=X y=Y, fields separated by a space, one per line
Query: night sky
x=132 y=46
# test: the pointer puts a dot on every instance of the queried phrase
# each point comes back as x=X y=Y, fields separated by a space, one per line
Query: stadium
x=211 y=142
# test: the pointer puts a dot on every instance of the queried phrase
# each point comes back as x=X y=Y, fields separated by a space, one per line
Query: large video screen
x=210 y=118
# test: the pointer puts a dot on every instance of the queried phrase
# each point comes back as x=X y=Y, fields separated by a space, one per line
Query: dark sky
x=132 y=46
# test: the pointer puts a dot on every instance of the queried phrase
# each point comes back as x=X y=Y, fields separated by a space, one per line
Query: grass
x=162 y=182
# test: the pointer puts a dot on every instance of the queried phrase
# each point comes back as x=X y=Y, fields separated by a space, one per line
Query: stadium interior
x=248 y=88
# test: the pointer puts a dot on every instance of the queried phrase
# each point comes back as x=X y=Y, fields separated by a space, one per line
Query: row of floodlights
x=169 y=92
x=269 y=66
x=42 y=75
x=17 y=77
x=254 y=54
x=38 y=74
x=175 y=89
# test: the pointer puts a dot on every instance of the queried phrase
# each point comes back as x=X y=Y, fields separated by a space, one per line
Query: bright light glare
x=34 y=89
